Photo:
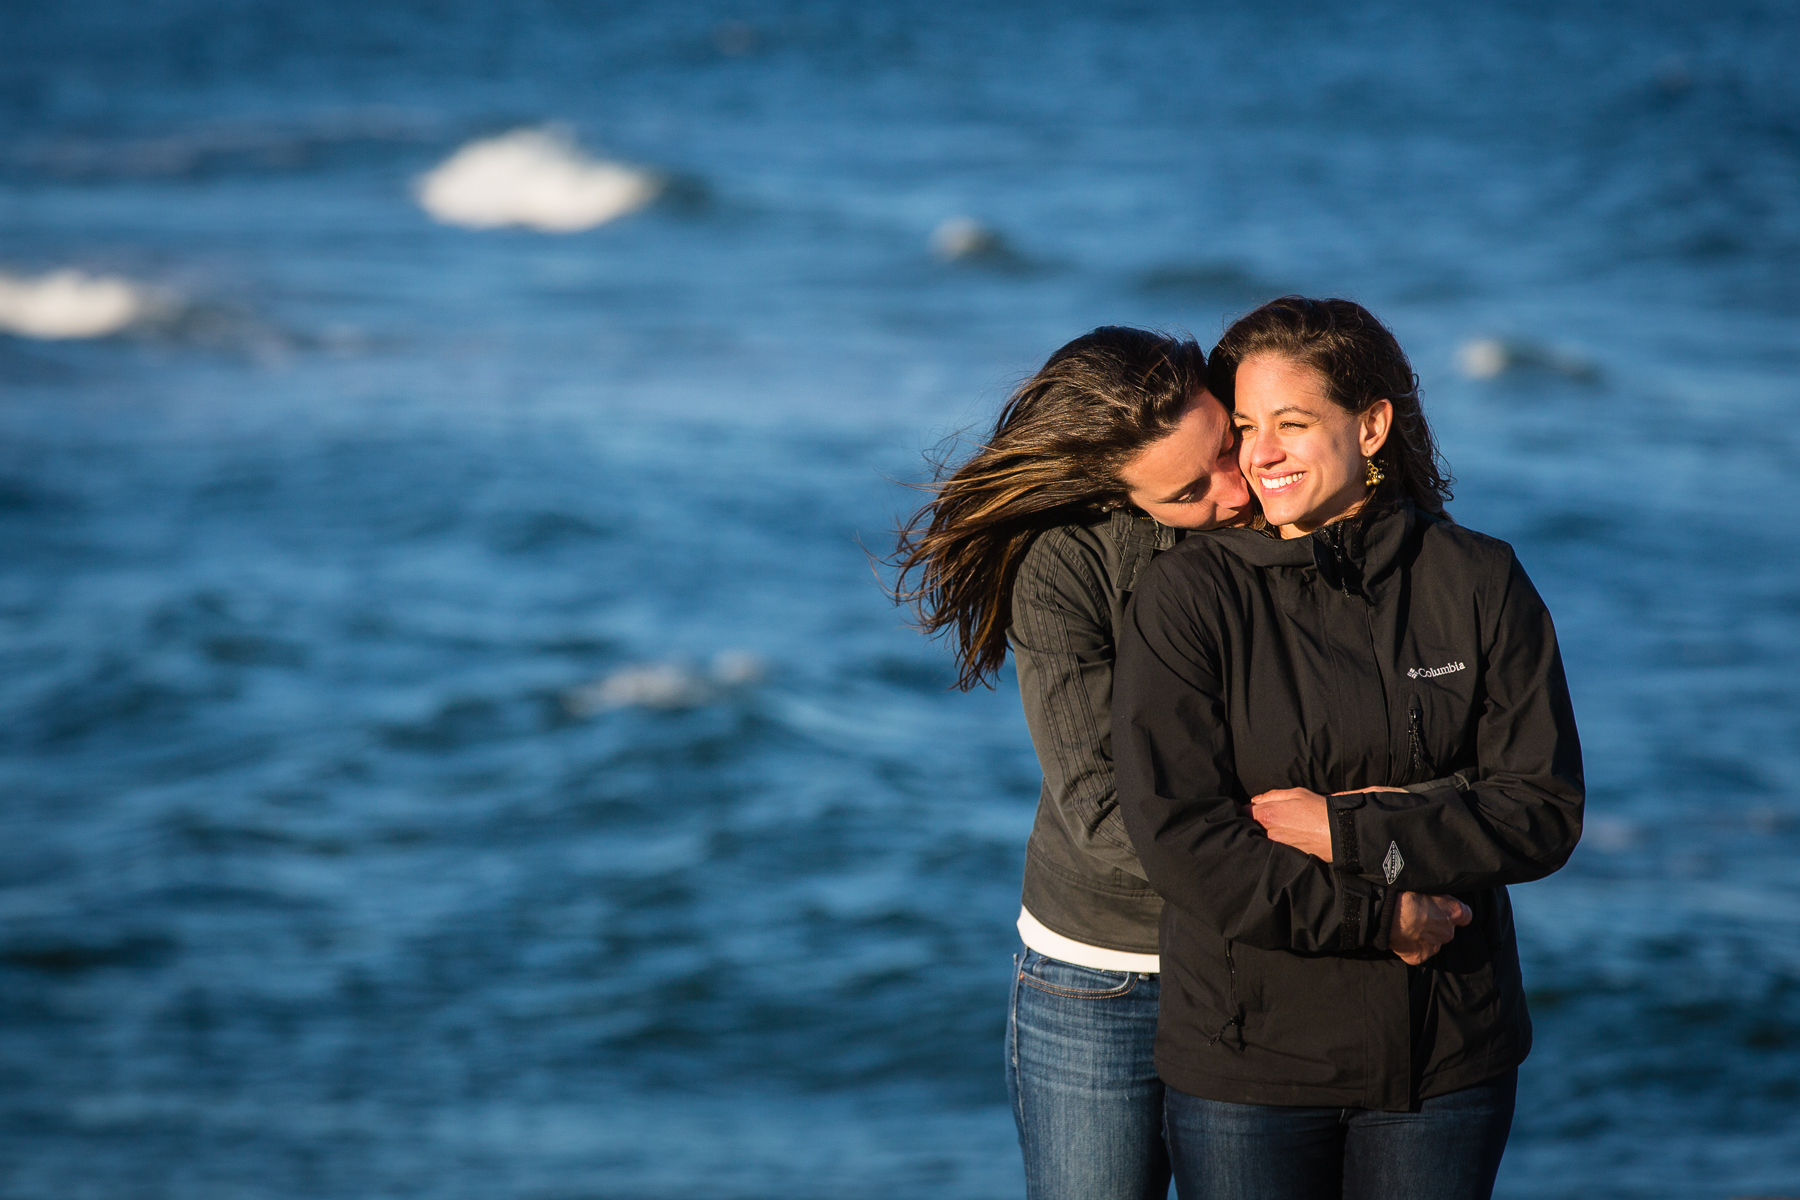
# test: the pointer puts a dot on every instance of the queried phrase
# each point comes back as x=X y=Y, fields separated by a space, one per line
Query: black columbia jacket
x=1389 y=650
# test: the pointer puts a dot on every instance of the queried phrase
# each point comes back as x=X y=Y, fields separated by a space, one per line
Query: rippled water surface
x=453 y=743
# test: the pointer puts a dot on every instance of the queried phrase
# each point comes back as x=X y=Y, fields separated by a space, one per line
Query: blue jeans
x=1084 y=1090
x=1449 y=1150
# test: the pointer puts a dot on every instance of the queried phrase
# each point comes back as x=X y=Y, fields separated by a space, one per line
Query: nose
x=1259 y=452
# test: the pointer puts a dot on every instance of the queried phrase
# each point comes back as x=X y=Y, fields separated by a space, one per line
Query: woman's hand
x=1423 y=925
x=1294 y=817
x=1298 y=818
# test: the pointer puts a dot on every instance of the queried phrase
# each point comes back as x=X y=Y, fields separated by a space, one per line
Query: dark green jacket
x=1082 y=877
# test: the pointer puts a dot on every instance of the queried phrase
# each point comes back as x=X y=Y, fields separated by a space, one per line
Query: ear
x=1373 y=425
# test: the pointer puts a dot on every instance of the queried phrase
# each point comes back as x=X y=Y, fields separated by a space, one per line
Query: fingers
x=1263 y=810
x=1419 y=953
x=1277 y=795
x=1441 y=920
x=1425 y=924
x=1450 y=909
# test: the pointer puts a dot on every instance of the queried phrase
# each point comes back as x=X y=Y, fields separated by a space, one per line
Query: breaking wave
x=964 y=237
x=537 y=178
x=73 y=304
x=666 y=685
x=1490 y=358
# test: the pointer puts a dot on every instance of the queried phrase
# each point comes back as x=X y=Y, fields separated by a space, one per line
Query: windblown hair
x=1058 y=447
x=1362 y=363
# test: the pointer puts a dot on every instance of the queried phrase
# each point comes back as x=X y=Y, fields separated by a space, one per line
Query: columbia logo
x=1434 y=672
x=1392 y=865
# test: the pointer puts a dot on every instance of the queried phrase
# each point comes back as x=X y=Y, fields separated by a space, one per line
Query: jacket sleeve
x=1179 y=792
x=1521 y=820
x=1063 y=649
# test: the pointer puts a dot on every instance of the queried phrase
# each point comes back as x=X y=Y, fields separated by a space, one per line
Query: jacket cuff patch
x=1345 y=856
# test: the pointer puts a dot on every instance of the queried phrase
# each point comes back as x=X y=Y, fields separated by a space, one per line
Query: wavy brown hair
x=1362 y=362
x=1058 y=447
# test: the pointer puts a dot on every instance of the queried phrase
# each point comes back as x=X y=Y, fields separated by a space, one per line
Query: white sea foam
x=1611 y=835
x=538 y=178
x=652 y=685
x=666 y=685
x=1490 y=358
x=736 y=668
x=71 y=304
x=1482 y=358
x=964 y=237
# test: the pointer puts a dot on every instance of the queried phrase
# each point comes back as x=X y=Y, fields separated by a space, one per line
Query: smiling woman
x=1327 y=405
x=1331 y=812
x=1300 y=451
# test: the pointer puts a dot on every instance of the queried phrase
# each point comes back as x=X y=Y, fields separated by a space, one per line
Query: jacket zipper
x=1420 y=768
x=1237 y=1010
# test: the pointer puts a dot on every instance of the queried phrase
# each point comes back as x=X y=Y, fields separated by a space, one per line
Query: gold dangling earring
x=1372 y=474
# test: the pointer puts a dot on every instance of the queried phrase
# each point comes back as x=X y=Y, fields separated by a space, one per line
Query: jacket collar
x=1347 y=554
x=1139 y=538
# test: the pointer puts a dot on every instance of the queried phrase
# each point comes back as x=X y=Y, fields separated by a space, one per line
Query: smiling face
x=1189 y=478
x=1304 y=455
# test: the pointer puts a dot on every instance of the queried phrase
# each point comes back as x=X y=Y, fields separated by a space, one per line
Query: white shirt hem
x=1096 y=958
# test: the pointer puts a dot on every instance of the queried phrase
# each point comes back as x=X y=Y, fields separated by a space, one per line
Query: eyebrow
x=1286 y=408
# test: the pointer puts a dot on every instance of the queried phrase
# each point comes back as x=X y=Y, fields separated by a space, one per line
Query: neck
x=1310 y=525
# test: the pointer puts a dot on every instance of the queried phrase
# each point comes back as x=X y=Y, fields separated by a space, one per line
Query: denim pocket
x=1066 y=979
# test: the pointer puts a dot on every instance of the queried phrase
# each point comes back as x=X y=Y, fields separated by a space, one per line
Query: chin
x=1287 y=510
x=1282 y=514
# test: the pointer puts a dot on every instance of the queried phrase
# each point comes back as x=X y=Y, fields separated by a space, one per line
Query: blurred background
x=452 y=741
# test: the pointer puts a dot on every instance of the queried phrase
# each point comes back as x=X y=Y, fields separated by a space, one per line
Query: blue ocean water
x=452 y=740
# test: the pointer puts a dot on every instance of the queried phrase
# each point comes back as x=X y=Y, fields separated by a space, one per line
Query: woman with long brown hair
x=1109 y=454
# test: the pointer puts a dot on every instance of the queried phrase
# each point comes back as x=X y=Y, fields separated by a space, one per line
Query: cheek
x=1325 y=455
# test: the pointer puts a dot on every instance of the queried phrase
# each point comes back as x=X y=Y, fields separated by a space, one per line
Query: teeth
x=1274 y=483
